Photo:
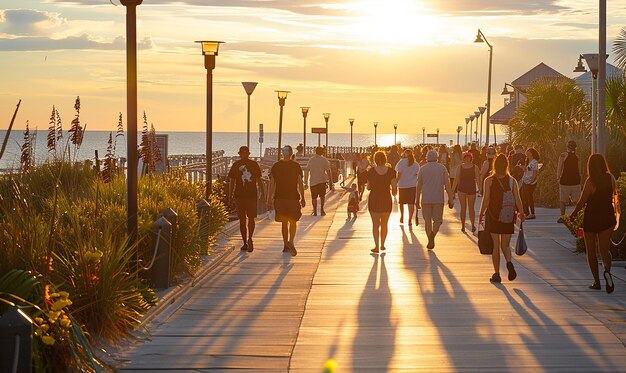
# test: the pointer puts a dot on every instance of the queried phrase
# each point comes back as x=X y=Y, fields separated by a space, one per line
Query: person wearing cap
x=465 y=183
x=529 y=182
x=245 y=175
x=486 y=167
x=432 y=180
x=568 y=177
x=286 y=196
x=318 y=168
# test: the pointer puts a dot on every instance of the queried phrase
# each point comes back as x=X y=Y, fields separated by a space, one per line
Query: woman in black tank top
x=599 y=219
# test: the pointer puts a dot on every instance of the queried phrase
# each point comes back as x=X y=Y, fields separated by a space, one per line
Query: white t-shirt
x=408 y=174
x=528 y=173
x=317 y=169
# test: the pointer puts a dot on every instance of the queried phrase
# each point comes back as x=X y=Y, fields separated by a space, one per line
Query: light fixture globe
x=479 y=37
x=210 y=47
x=326 y=115
x=506 y=91
x=351 y=120
x=282 y=94
x=305 y=109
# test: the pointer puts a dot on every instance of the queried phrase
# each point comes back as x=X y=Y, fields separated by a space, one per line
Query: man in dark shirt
x=517 y=162
x=568 y=177
x=476 y=158
x=245 y=175
x=286 y=196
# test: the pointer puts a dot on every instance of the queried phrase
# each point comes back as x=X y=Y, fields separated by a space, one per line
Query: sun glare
x=393 y=22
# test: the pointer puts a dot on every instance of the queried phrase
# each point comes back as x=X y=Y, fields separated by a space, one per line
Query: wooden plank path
x=408 y=310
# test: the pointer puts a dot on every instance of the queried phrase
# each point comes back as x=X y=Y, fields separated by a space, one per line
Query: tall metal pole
x=305 y=111
x=489 y=93
x=423 y=135
x=375 y=126
x=594 y=116
x=602 y=133
x=209 y=64
x=249 y=88
x=131 y=118
x=281 y=102
x=395 y=130
x=351 y=120
x=248 y=125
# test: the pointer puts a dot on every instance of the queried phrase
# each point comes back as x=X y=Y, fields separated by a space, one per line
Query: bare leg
x=402 y=213
x=411 y=211
x=505 y=246
x=322 y=199
x=463 y=200
x=242 y=228
x=471 y=202
x=284 y=229
x=375 y=227
x=592 y=258
x=495 y=255
x=314 y=204
x=292 y=230
x=604 y=244
x=251 y=226
x=384 y=220
x=427 y=214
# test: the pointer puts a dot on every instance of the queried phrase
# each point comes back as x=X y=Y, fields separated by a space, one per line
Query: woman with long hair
x=455 y=160
x=465 y=183
x=498 y=206
x=599 y=220
x=444 y=156
x=407 y=170
x=529 y=182
x=379 y=203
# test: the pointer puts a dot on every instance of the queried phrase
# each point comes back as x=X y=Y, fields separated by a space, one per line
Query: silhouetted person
x=318 y=168
x=245 y=175
x=379 y=203
x=568 y=177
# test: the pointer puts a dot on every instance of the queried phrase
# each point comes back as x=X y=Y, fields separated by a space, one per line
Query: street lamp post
x=395 y=132
x=467 y=120
x=602 y=133
x=477 y=114
x=458 y=133
x=351 y=120
x=437 y=136
x=249 y=87
x=209 y=51
x=282 y=96
x=481 y=110
x=305 y=111
x=472 y=117
x=375 y=126
x=131 y=115
x=423 y=135
x=326 y=117
x=480 y=38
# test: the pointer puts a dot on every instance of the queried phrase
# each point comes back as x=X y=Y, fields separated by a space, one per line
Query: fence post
x=160 y=274
x=16 y=341
x=204 y=212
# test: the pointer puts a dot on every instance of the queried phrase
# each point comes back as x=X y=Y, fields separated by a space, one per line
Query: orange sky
x=409 y=62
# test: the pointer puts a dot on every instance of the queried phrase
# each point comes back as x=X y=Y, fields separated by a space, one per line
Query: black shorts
x=246 y=207
x=318 y=190
x=287 y=210
x=407 y=195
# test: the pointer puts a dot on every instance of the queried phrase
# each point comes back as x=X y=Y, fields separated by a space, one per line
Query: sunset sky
x=411 y=62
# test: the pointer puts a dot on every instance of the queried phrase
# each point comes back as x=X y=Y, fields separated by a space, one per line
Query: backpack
x=507 y=213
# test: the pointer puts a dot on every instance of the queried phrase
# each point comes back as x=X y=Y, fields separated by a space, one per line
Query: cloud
x=27 y=21
x=72 y=42
x=486 y=7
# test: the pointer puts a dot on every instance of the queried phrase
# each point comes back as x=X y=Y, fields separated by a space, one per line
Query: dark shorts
x=287 y=210
x=246 y=207
x=318 y=190
x=406 y=195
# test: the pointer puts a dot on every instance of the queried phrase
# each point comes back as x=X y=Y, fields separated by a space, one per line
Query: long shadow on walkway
x=374 y=322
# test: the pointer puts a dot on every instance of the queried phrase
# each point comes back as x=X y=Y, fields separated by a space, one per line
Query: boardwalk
x=408 y=310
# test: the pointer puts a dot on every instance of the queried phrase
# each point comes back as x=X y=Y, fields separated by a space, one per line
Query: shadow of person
x=374 y=342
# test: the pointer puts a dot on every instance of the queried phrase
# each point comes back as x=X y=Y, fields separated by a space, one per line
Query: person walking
x=318 y=168
x=444 y=156
x=394 y=158
x=361 y=173
x=432 y=180
x=529 y=182
x=517 y=163
x=245 y=176
x=476 y=156
x=286 y=196
x=499 y=203
x=486 y=167
x=466 y=185
x=568 y=177
x=455 y=161
x=379 y=203
x=599 y=219
x=407 y=170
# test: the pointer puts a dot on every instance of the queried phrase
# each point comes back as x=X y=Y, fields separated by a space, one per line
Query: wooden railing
x=195 y=165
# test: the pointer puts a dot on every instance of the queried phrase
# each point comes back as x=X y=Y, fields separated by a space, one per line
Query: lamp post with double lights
x=480 y=38
x=326 y=117
x=458 y=133
x=131 y=115
x=209 y=51
x=481 y=110
x=395 y=132
x=375 y=126
x=423 y=135
x=351 y=120
x=282 y=97
x=305 y=111
x=249 y=87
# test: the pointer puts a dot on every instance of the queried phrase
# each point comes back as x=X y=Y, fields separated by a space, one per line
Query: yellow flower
x=54 y=295
x=45 y=327
x=38 y=320
x=46 y=339
x=64 y=294
x=53 y=315
x=60 y=304
x=65 y=323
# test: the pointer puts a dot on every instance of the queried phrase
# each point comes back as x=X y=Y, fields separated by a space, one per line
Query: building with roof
x=584 y=81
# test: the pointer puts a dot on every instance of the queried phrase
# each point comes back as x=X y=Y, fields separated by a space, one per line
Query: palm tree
x=619 y=49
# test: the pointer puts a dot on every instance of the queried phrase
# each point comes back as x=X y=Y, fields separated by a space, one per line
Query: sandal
x=595 y=286
x=609 y=279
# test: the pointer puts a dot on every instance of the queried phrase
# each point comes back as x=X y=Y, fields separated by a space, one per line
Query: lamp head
x=282 y=94
x=305 y=109
x=479 y=37
x=476 y=114
x=506 y=91
x=210 y=47
x=351 y=120
x=375 y=124
x=467 y=120
x=482 y=109
x=423 y=129
x=459 y=129
x=249 y=87
x=580 y=68
x=395 y=126
x=326 y=115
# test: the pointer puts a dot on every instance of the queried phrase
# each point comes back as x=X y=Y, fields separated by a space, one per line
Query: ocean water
x=194 y=143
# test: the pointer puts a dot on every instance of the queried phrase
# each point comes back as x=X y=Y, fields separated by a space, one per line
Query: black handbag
x=485 y=243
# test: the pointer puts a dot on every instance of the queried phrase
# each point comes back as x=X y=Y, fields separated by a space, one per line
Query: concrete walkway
x=410 y=309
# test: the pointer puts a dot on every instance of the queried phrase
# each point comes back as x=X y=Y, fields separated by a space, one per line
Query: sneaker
x=512 y=273
x=495 y=278
x=244 y=247
x=250 y=246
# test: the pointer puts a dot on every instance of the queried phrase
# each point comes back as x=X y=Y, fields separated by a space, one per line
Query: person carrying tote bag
x=520 y=245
